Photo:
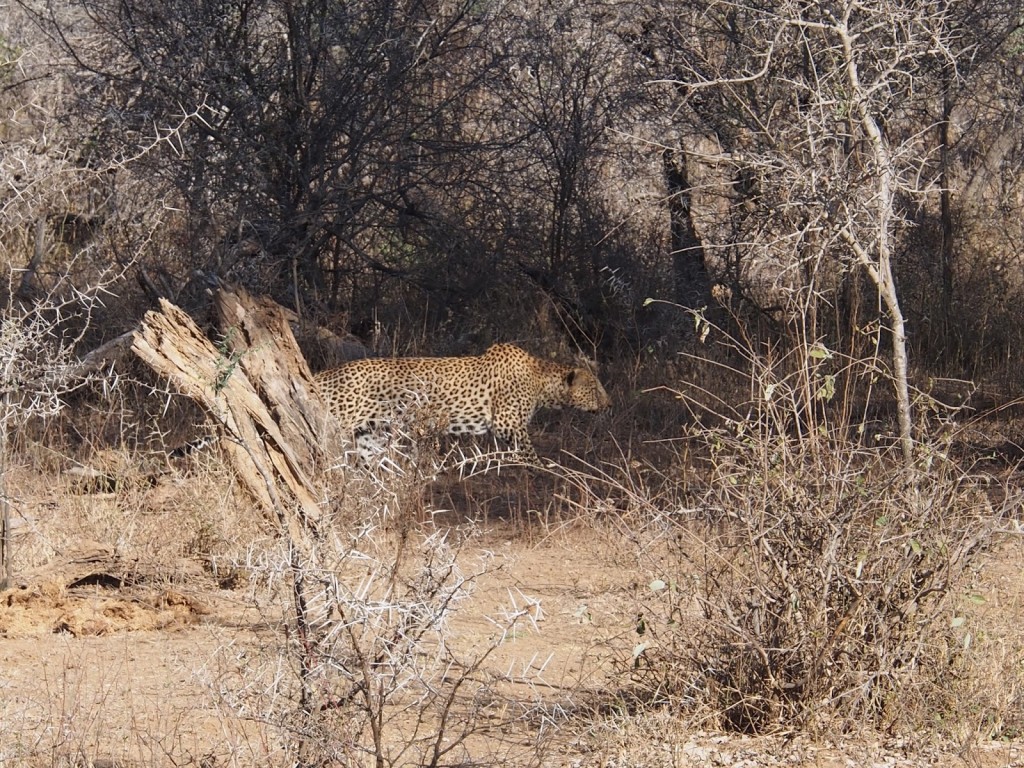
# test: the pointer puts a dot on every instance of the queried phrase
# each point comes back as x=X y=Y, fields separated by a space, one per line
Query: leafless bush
x=807 y=577
x=367 y=669
x=38 y=365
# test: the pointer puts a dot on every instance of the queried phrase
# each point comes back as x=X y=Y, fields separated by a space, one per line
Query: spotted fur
x=498 y=392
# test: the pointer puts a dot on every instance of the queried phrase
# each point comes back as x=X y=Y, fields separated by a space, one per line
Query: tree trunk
x=946 y=253
x=689 y=267
x=879 y=262
x=277 y=432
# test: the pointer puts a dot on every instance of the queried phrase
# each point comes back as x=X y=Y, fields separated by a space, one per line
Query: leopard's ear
x=570 y=377
x=586 y=363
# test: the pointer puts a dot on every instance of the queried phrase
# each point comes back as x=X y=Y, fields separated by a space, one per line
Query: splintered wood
x=276 y=432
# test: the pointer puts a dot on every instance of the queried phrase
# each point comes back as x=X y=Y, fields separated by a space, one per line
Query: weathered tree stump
x=277 y=434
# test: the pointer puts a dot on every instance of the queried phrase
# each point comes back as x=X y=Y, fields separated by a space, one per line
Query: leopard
x=498 y=391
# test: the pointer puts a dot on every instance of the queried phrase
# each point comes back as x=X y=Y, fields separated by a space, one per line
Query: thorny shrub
x=809 y=578
x=367 y=669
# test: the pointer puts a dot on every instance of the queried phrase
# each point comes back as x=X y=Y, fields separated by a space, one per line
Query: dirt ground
x=100 y=669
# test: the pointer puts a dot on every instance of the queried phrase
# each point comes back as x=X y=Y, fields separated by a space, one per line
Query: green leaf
x=827 y=388
x=820 y=352
x=657 y=585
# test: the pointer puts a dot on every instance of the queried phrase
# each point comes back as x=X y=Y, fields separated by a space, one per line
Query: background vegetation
x=458 y=168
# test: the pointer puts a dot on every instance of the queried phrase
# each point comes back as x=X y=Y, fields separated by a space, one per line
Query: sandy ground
x=102 y=673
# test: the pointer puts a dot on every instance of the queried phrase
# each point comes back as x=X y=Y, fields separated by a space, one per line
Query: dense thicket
x=459 y=166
